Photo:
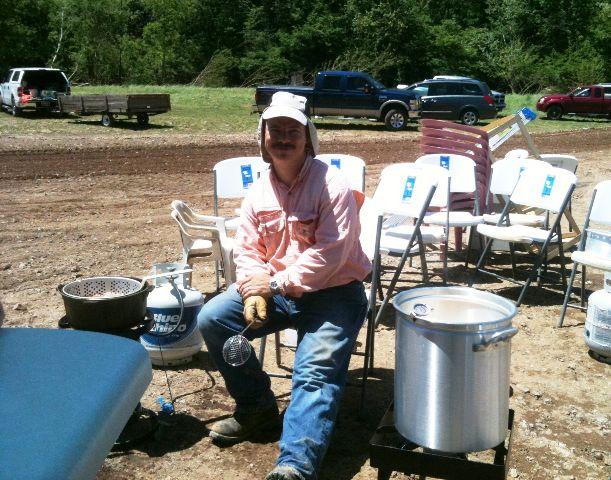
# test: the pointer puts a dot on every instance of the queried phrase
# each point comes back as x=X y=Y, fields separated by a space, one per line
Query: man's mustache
x=283 y=145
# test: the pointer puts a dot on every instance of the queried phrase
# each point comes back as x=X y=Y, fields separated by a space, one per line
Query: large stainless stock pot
x=452 y=367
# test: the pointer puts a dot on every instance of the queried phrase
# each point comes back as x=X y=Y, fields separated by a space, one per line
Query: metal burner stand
x=390 y=452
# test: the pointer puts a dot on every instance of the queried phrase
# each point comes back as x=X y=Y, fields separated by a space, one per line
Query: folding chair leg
x=535 y=272
x=445 y=260
x=368 y=358
x=277 y=341
x=567 y=295
x=423 y=265
x=561 y=254
x=583 y=285
x=262 y=349
x=512 y=255
x=469 y=244
x=480 y=262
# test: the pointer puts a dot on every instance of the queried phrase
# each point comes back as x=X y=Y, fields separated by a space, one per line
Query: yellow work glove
x=255 y=310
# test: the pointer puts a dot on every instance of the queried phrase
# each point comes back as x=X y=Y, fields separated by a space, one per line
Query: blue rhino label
x=548 y=185
x=408 y=190
x=336 y=162
x=247 y=178
x=444 y=161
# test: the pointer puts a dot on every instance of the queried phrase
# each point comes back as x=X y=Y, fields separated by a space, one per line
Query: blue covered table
x=65 y=397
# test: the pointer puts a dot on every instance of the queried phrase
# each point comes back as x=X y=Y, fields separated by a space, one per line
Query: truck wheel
x=554 y=112
x=396 y=119
x=142 y=119
x=108 y=119
x=469 y=117
x=15 y=110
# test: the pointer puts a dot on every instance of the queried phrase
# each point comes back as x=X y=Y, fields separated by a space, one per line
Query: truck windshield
x=581 y=92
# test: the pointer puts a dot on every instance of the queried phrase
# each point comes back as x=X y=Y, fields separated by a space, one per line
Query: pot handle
x=495 y=339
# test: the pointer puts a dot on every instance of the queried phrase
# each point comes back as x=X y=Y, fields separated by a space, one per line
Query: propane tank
x=597 y=332
x=174 y=338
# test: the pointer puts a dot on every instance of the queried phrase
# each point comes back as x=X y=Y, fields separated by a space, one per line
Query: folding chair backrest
x=568 y=162
x=234 y=176
x=368 y=216
x=404 y=187
x=601 y=206
x=353 y=168
x=460 y=168
x=506 y=172
x=544 y=188
x=517 y=153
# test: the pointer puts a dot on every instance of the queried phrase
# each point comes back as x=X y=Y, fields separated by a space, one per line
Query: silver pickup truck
x=33 y=88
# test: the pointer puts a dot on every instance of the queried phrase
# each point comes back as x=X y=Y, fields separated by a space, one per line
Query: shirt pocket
x=302 y=227
x=271 y=227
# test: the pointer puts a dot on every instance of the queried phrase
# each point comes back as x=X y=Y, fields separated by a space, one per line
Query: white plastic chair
x=517 y=153
x=403 y=195
x=505 y=175
x=233 y=178
x=548 y=189
x=353 y=168
x=204 y=237
x=461 y=171
x=599 y=212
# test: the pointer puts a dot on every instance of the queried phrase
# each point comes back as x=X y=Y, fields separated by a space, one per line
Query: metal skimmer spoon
x=237 y=348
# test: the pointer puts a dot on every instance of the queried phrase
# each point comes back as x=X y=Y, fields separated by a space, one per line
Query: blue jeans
x=327 y=322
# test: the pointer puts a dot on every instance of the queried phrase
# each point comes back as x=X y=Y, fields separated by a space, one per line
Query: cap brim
x=276 y=111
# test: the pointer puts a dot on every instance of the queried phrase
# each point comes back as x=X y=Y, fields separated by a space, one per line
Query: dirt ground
x=99 y=205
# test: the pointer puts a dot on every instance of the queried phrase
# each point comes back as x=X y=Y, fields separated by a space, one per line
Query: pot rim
x=506 y=308
x=145 y=288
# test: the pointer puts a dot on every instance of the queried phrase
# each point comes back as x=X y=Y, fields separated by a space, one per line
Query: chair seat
x=515 y=233
x=395 y=245
x=457 y=219
x=516 y=219
x=431 y=234
x=591 y=260
x=200 y=248
x=232 y=223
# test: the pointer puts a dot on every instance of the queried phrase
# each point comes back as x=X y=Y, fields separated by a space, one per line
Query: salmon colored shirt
x=306 y=236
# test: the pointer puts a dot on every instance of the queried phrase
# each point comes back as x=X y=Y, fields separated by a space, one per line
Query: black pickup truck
x=347 y=94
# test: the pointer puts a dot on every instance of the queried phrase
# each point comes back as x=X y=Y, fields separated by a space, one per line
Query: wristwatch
x=274 y=286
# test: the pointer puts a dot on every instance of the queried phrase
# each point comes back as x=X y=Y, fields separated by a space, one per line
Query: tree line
x=516 y=45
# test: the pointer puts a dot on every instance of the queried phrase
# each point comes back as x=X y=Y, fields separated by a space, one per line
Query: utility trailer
x=140 y=105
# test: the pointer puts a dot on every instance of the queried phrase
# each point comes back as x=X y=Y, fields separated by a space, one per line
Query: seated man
x=299 y=264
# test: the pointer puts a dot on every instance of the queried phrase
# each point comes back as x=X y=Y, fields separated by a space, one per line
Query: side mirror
x=571 y=95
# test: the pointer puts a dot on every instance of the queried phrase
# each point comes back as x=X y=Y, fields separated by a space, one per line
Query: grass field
x=197 y=110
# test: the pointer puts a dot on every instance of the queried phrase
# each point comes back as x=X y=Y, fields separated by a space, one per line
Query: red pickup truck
x=584 y=101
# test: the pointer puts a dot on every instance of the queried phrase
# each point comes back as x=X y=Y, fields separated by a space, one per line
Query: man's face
x=285 y=139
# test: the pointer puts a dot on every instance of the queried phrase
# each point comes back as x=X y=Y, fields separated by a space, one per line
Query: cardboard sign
x=247 y=178
x=526 y=115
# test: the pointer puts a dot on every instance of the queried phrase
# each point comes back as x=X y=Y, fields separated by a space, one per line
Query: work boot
x=244 y=424
x=284 y=472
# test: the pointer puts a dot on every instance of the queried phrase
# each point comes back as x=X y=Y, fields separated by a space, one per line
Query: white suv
x=33 y=88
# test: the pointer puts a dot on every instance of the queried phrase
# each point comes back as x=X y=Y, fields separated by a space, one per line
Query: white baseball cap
x=285 y=104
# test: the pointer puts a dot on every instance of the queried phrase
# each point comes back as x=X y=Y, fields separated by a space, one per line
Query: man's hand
x=255 y=311
x=255 y=285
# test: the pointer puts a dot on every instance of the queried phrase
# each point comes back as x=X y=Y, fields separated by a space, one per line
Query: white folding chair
x=505 y=175
x=549 y=189
x=461 y=171
x=205 y=238
x=233 y=178
x=404 y=193
x=353 y=168
x=371 y=226
x=595 y=245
